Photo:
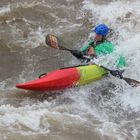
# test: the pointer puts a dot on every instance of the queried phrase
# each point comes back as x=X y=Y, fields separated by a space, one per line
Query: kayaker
x=99 y=46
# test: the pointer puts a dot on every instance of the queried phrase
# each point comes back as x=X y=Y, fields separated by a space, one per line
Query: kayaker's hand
x=77 y=54
x=91 y=52
x=92 y=56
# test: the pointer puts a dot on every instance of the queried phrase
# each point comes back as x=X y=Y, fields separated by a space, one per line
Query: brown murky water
x=100 y=111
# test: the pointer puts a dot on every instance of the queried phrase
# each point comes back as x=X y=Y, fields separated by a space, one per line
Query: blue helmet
x=101 y=29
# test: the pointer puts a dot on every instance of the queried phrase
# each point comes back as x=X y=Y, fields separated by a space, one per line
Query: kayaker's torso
x=100 y=47
x=103 y=47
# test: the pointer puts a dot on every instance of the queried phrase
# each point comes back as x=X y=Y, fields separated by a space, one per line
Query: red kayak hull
x=56 y=80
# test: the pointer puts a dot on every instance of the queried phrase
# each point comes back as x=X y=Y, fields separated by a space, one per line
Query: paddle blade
x=55 y=42
x=52 y=41
x=131 y=82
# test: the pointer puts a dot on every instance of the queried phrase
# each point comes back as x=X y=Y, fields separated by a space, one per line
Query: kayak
x=65 y=78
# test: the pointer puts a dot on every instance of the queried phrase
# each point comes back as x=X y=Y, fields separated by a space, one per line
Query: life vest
x=102 y=48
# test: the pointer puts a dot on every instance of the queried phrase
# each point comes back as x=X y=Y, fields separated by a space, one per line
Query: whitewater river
x=108 y=109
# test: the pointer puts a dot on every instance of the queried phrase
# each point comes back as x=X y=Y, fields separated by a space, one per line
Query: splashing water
x=106 y=109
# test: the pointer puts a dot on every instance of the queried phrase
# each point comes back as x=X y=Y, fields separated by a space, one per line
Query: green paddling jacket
x=103 y=48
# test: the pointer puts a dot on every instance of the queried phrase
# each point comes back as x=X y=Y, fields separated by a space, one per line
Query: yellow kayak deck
x=90 y=73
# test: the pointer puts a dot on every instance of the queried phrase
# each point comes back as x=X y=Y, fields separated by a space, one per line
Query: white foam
x=115 y=15
x=131 y=49
x=29 y=117
x=112 y=130
x=131 y=98
x=4 y=10
x=36 y=38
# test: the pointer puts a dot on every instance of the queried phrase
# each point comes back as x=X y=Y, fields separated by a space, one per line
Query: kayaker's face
x=98 y=37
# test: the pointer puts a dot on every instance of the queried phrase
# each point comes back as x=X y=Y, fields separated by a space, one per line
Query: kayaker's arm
x=82 y=57
x=84 y=51
x=77 y=54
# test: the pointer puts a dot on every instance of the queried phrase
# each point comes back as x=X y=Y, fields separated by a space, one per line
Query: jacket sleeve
x=121 y=62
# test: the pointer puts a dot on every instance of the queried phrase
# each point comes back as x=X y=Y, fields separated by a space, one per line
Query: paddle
x=56 y=43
